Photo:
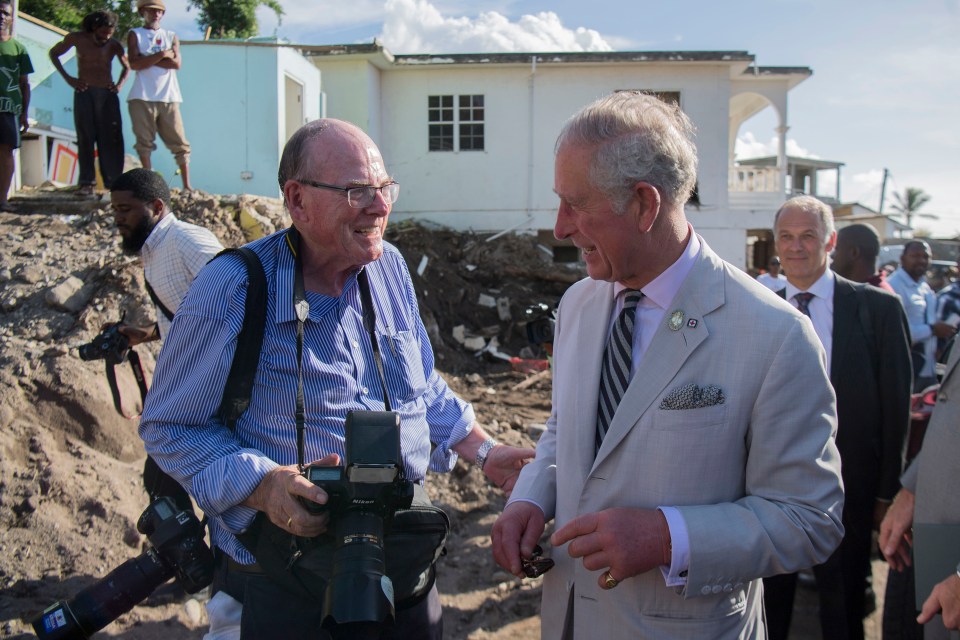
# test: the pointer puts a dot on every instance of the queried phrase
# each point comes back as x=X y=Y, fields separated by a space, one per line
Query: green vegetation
x=231 y=18
x=224 y=18
x=69 y=15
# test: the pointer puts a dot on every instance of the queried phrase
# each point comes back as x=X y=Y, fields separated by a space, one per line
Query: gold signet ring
x=609 y=582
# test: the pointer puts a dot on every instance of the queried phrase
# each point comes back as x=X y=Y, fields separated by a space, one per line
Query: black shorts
x=10 y=129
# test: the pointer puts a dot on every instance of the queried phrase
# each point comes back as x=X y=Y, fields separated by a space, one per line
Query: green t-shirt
x=14 y=62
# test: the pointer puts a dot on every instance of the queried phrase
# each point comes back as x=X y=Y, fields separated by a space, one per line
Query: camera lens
x=103 y=602
x=357 y=594
x=89 y=352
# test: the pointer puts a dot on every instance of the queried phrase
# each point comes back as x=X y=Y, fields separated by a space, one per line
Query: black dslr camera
x=111 y=345
x=178 y=550
x=540 y=324
x=364 y=494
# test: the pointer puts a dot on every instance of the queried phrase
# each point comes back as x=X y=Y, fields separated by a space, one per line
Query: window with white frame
x=455 y=123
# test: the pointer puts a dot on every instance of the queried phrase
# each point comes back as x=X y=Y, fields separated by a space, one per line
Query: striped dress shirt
x=221 y=468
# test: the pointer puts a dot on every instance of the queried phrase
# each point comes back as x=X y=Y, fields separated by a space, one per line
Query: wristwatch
x=484 y=450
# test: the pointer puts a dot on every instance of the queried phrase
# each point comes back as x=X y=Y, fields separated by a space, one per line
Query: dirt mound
x=70 y=487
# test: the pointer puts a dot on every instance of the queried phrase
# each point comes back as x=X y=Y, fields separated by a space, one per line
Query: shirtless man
x=96 y=106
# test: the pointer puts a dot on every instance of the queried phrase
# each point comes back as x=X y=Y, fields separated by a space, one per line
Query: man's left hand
x=625 y=542
x=944 y=599
x=503 y=465
x=24 y=122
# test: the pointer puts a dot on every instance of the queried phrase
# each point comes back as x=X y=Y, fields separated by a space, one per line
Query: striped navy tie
x=615 y=374
x=803 y=302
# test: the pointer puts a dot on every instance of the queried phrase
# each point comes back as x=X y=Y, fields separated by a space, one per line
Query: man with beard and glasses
x=96 y=105
x=173 y=252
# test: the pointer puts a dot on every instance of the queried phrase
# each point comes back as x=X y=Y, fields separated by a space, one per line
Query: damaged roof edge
x=377 y=47
x=778 y=71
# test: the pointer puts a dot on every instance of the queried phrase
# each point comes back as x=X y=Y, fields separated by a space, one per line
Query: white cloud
x=417 y=26
x=747 y=146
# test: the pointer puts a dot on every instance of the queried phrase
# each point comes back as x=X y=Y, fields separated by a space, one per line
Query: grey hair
x=638 y=137
x=295 y=161
x=810 y=205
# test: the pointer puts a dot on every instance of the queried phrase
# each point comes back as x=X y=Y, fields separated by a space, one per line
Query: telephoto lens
x=178 y=550
x=103 y=602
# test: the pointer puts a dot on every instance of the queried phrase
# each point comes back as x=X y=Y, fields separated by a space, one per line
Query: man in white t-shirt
x=773 y=279
x=154 y=100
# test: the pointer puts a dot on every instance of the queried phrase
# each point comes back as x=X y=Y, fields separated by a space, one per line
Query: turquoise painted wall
x=51 y=98
x=232 y=111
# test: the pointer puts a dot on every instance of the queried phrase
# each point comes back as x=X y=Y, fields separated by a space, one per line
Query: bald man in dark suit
x=864 y=332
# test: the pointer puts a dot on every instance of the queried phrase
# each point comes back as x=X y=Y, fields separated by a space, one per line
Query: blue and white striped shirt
x=221 y=468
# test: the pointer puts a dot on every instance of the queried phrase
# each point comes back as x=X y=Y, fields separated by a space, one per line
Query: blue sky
x=885 y=90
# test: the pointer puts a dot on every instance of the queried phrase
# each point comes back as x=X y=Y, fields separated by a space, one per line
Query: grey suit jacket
x=756 y=479
x=934 y=475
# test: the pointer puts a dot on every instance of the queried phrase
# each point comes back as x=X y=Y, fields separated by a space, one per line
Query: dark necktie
x=615 y=374
x=803 y=302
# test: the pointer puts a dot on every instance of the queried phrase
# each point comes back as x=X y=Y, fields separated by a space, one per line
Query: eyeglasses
x=361 y=197
x=536 y=565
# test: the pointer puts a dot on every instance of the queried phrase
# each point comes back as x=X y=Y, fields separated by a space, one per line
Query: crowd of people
x=891 y=345
x=687 y=485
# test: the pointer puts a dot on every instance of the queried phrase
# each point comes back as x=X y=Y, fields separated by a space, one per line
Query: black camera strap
x=370 y=322
x=302 y=310
x=137 y=369
x=156 y=300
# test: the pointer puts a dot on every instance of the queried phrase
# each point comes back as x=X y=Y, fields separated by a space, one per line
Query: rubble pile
x=473 y=292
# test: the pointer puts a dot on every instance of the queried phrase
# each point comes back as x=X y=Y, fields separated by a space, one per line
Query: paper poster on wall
x=62 y=169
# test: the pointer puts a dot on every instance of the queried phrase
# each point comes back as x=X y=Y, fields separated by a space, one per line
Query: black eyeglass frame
x=346 y=191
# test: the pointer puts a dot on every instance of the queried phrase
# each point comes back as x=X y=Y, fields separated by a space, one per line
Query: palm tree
x=909 y=202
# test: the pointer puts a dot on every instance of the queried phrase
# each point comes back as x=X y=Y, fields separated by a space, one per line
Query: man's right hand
x=895 y=538
x=515 y=534
x=278 y=495
x=77 y=84
x=943 y=330
x=135 y=335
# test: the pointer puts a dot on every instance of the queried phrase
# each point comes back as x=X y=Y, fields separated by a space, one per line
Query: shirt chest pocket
x=403 y=366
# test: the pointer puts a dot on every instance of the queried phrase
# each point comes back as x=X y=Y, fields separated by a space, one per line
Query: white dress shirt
x=820 y=307
x=173 y=255
x=657 y=299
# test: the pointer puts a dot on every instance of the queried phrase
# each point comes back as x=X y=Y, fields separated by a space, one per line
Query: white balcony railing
x=747 y=179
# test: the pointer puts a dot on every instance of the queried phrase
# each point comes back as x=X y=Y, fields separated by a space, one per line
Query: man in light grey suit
x=710 y=474
x=930 y=495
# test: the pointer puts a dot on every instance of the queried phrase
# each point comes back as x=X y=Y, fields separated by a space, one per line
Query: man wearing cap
x=154 y=100
x=773 y=279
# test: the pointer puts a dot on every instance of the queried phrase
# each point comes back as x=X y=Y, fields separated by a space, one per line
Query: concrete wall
x=524 y=111
x=510 y=183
